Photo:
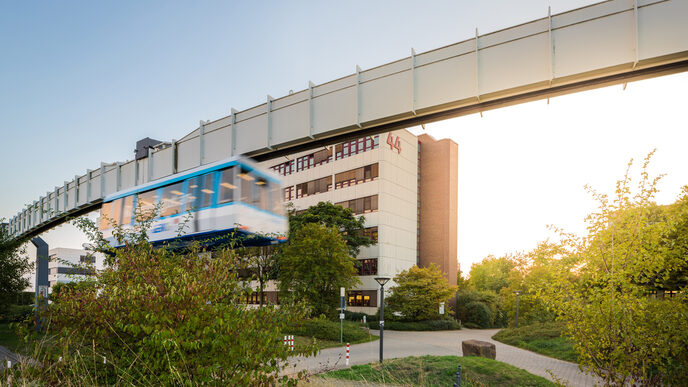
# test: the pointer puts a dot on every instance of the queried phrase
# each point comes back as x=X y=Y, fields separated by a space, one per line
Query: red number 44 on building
x=394 y=143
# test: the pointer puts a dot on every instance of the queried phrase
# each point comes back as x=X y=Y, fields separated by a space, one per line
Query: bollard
x=347 y=354
x=291 y=343
x=285 y=340
x=458 y=377
x=104 y=360
x=9 y=364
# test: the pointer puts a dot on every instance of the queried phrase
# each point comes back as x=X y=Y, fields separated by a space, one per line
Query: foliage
x=322 y=328
x=16 y=313
x=13 y=265
x=428 y=325
x=601 y=289
x=491 y=273
x=419 y=292
x=486 y=316
x=357 y=316
x=479 y=314
x=326 y=213
x=261 y=264
x=440 y=371
x=544 y=338
x=162 y=317
x=314 y=265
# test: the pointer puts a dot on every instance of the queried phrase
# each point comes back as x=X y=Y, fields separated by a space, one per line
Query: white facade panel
x=503 y=68
x=661 y=27
x=325 y=118
x=216 y=145
x=387 y=96
x=163 y=163
x=594 y=45
x=291 y=122
x=252 y=134
x=449 y=80
x=188 y=154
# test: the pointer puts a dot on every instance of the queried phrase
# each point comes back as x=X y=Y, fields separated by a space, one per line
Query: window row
x=360 y=205
x=356 y=176
x=72 y=270
x=356 y=146
x=367 y=266
x=314 y=187
x=233 y=184
x=324 y=156
x=362 y=298
x=371 y=232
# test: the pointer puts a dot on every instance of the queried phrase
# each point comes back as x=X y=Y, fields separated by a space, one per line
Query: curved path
x=441 y=343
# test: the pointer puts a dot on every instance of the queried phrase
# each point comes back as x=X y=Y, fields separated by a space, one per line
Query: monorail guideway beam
x=602 y=44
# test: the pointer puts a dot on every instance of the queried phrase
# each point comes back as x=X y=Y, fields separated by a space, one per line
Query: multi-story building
x=67 y=265
x=404 y=185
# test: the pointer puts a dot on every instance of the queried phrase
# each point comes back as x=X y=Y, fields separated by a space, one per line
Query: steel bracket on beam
x=311 y=85
x=201 y=144
x=102 y=180
x=232 y=123
x=477 y=67
x=76 y=191
x=65 y=197
x=269 y=113
x=635 y=33
x=413 y=81
x=358 y=96
x=150 y=164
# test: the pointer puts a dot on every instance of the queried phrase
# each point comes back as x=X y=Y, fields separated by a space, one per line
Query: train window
x=227 y=187
x=261 y=192
x=246 y=185
x=201 y=191
x=146 y=202
x=276 y=198
x=127 y=210
x=105 y=216
x=171 y=200
x=117 y=211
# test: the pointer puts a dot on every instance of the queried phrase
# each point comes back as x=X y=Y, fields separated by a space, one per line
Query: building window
x=285 y=168
x=371 y=232
x=356 y=146
x=289 y=193
x=359 y=298
x=313 y=187
x=360 y=205
x=88 y=259
x=367 y=266
x=356 y=176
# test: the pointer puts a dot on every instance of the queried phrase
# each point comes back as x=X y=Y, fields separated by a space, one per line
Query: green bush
x=16 y=313
x=161 y=317
x=357 y=316
x=324 y=329
x=428 y=325
x=479 y=313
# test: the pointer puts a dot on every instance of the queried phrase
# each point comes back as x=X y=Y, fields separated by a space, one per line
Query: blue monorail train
x=229 y=200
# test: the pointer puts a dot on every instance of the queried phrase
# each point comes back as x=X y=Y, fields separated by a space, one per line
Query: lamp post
x=518 y=292
x=382 y=281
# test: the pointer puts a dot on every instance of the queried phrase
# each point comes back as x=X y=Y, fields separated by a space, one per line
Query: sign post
x=342 y=307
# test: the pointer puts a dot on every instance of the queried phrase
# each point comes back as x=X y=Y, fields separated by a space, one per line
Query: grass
x=9 y=338
x=428 y=325
x=440 y=371
x=546 y=339
x=325 y=333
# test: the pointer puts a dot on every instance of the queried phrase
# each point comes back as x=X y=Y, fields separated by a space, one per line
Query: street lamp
x=382 y=281
x=518 y=292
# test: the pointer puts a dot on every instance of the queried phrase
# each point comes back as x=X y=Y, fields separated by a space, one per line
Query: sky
x=81 y=82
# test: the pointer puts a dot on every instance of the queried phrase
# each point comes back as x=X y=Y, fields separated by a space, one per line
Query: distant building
x=405 y=186
x=68 y=265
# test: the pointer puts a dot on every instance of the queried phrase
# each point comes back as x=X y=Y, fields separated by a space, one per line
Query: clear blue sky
x=80 y=82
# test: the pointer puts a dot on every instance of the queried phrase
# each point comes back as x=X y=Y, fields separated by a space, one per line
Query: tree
x=601 y=290
x=13 y=265
x=326 y=213
x=160 y=316
x=491 y=273
x=314 y=265
x=261 y=263
x=419 y=292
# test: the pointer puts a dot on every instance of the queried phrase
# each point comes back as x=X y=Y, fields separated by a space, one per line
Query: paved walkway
x=404 y=343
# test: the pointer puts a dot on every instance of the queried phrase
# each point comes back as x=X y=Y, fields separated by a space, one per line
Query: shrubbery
x=161 y=318
x=428 y=325
x=16 y=313
x=324 y=329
